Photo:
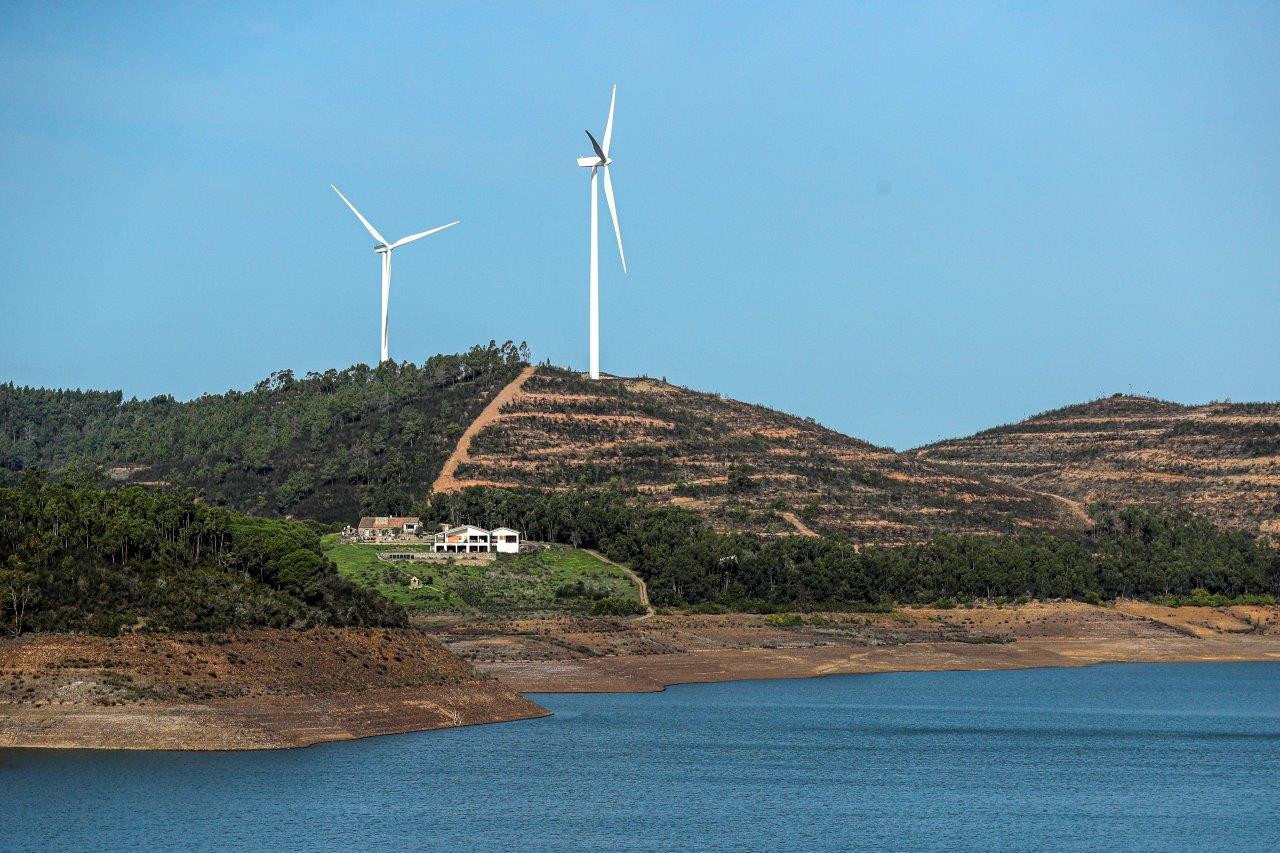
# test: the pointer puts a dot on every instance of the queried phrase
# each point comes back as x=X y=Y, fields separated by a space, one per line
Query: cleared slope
x=744 y=467
x=1220 y=460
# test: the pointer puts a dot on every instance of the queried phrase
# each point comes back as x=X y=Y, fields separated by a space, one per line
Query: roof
x=388 y=521
x=504 y=530
x=466 y=527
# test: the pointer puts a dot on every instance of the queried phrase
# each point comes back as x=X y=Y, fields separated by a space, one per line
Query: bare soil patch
x=242 y=690
x=591 y=654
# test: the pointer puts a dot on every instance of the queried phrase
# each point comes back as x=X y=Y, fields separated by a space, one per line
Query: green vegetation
x=560 y=579
x=325 y=446
x=1137 y=553
x=1204 y=598
x=76 y=557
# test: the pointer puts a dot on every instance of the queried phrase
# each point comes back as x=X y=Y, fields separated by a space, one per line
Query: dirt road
x=801 y=528
x=447 y=481
x=639 y=581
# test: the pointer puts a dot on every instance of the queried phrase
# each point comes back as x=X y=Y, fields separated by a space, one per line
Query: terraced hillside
x=1220 y=460
x=743 y=467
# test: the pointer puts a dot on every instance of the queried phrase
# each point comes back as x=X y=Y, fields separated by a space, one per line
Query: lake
x=1133 y=756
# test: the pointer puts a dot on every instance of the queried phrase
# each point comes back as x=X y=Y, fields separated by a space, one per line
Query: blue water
x=1114 y=757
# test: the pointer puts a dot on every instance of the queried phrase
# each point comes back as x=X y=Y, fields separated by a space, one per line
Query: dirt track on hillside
x=794 y=520
x=641 y=587
x=447 y=481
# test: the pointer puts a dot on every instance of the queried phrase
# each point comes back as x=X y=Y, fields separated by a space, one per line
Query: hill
x=740 y=466
x=325 y=446
x=1220 y=460
x=77 y=557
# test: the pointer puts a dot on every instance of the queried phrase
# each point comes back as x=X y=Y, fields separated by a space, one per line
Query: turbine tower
x=600 y=162
x=385 y=248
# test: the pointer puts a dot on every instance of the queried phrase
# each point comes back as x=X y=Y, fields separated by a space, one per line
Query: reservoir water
x=1129 y=756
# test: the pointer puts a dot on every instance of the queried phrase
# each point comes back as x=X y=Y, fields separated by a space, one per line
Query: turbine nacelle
x=593 y=162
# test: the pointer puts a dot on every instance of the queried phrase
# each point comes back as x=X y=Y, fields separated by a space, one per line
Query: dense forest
x=327 y=445
x=1131 y=552
x=75 y=556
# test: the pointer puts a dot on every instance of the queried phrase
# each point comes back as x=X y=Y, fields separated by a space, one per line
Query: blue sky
x=907 y=220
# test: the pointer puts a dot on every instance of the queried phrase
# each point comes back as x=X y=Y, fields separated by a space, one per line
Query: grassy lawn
x=561 y=579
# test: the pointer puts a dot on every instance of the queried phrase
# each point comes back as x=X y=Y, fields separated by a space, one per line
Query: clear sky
x=907 y=220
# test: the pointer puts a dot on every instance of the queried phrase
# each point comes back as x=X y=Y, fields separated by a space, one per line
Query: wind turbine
x=385 y=248
x=600 y=162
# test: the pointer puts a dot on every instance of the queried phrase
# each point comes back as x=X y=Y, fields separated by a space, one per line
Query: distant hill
x=1220 y=460
x=743 y=467
x=323 y=446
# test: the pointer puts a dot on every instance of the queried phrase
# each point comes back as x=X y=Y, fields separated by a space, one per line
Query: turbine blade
x=596 y=145
x=363 y=221
x=613 y=213
x=608 y=128
x=397 y=244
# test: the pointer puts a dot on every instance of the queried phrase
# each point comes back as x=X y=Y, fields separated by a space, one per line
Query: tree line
x=76 y=556
x=325 y=445
x=1129 y=552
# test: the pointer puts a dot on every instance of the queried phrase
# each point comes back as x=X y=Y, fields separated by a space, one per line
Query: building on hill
x=505 y=540
x=469 y=539
x=383 y=528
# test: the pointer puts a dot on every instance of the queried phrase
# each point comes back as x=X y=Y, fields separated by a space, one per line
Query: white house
x=505 y=540
x=464 y=539
x=469 y=539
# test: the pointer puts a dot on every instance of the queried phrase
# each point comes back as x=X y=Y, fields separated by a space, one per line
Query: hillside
x=324 y=446
x=1220 y=460
x=77 y=557
x=740 y=466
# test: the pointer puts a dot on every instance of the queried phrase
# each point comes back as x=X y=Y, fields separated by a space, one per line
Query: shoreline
x=277 y=689
x=247 y=690
x=524 y=684
x=580 y=656
x=286 y=722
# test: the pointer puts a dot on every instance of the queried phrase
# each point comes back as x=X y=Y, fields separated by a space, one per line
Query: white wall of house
x=468 y=539
x=505 y=540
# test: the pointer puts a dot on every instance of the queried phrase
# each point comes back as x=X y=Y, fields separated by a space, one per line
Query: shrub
x=614 y=606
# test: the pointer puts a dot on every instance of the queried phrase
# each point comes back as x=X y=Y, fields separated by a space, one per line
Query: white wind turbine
x=599 y=162
x=385 y=248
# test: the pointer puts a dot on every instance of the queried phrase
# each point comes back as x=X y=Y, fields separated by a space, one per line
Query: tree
x=18 y=587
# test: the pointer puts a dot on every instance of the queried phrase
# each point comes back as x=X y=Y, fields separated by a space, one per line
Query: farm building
x=377 y=528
